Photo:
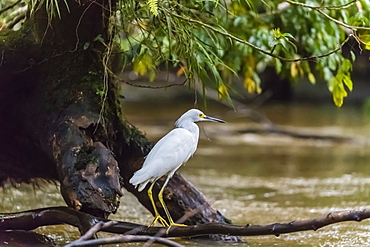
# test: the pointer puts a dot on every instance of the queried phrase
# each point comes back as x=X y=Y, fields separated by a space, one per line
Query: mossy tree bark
x=54 y=125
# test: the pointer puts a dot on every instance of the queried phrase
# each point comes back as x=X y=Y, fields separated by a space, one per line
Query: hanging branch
x=338 y=7
x=233 y=37
x=319 y=10
x=32 y=219
x=152 y=87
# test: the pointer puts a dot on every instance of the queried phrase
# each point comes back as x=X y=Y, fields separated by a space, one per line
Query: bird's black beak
x=207 y=118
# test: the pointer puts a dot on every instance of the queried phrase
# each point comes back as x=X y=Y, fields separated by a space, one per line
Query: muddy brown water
x=253 y=178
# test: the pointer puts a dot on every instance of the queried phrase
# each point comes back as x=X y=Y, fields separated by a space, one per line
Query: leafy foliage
x=286 y=35
x=221 y=44
x=341 y=79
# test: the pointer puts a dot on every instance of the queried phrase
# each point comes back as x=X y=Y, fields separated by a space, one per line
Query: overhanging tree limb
x=341 y=6
x=233 y=37
x=319 y=10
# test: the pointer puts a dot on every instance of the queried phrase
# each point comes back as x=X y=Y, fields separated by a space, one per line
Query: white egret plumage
x=167 y=155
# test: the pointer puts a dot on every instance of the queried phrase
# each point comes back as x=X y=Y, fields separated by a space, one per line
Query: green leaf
x=277 y=34
x=338 y=91
x=143 y=65
x=348 y=82
x=311 y=78
x=153 y=6
x=86 y=46
x=292 y=45
x=367 y=46
x=278 y=65
x=288 y=35
x=99 y=38
x=336 y=85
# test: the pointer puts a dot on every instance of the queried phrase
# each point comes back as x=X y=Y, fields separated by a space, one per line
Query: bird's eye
x=201 y=115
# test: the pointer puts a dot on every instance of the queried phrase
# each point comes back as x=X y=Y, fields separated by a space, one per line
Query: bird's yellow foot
x=176 y=224
x=160 y=220
x=173 y=224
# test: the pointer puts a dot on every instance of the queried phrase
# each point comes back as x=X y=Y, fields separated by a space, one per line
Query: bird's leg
x=160 y=197
x=157 y=216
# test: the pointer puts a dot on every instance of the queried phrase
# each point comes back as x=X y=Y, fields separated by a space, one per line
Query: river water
x=253 y=177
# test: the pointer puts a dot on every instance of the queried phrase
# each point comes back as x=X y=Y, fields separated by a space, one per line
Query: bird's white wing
x=167 y=155
x=173 y=149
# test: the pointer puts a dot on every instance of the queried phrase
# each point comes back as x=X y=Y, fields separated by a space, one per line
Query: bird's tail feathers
x=137 y=180
x=142 y=186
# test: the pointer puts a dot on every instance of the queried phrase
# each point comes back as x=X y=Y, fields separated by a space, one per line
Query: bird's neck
x=190 y=126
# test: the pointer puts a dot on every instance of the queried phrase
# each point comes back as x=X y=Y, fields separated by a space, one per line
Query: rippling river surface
x=254 y=177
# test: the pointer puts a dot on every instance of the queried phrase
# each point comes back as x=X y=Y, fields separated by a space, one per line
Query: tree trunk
x=61 y=119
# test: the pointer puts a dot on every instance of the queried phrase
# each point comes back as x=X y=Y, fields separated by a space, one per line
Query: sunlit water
x=254 y=178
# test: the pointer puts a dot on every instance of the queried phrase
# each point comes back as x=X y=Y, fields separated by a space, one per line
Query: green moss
x=15 y=39
x=69 y=79
x=86 y=155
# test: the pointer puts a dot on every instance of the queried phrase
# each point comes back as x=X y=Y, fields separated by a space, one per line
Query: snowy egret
x=167 y=155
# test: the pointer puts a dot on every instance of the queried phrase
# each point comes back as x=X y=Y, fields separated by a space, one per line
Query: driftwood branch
x=125 y=239
x=29 y=220
x=86 y=239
